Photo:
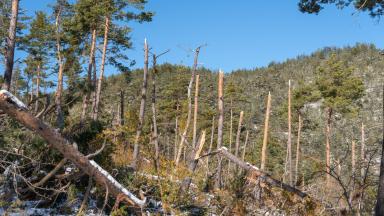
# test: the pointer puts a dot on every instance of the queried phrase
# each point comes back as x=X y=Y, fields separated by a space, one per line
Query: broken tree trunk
x=17 y=110
x=239 y=133
x=183 y=137
x=255 y=172
x=245 y=145
x=328 y=146
x=136 y=150
x=220 y=123
x=195 y=110
x=265 y=139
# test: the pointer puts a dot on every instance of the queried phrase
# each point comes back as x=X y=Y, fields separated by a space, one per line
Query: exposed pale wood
x=220 y=124
x=245 y=145
x=195 y=110
x=136 y=150
x=189 y=114
x=255 y=172
x=289 y=142
x=265 y=139
x=17 y=110
x=101 y=75
x=239 y=133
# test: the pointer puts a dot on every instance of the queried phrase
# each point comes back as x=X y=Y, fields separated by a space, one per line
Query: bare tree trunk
x=183 y=137
x=17 y=110
x=37 y=87
x=87 y=96
x=353 y=159
x=220 y=124
x=239 y=133
x=210 y=144
x=59 y=89
x=328 y=145
x=195 y=110
x=362 y=153
x=230 y=136
x=154 y=121
x=298 y=149
x=136 y=150
x=176 y=139
x=121 y=110
x=10 y=50
x=379 y=209
x=32 y=87
x=101 y=75
x=265 y=139
x=245 y=145
x=289 y=143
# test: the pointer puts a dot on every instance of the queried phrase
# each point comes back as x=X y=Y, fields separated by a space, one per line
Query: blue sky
x=243 y=33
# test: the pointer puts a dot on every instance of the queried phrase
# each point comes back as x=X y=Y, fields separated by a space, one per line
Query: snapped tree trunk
x=245 y=145
x=136 y=150
x=17 y=110
x=265 y=139
x=220 y=124
x=184 y=135
x=10 y=49
x=101 y=75
x=195 y=110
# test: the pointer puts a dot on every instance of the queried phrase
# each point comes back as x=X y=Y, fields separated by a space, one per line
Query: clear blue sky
x=243 y=33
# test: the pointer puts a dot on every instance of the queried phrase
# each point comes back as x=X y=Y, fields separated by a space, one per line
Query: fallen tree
x=16 y=109
x=256 y=172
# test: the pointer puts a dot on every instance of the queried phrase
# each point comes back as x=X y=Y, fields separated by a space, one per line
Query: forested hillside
x=356 y=133
x=85 y=130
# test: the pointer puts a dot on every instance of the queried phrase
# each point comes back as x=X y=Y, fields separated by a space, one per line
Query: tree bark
x=362 y=153
x=210 y=144
x=101 y=75
x=136 y=150
x=10 y=50
x=154 y=120
x=379 y=209
x=183 y=137
x=289 y=143
x=255 y=172
x=220 y=124
x=245 y=145
x=298 y=149
x=121 y=109
x=37 y=87
x=87 y=96
x=265 y=139
x=353 y=157
x=59 y=89
x=195 y=110
x=239 y=133
x=328 y=146
x=17 y=110
x=230 y=136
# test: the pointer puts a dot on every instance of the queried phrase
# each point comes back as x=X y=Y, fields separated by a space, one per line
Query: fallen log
x=19 y=111
x=256 y=172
